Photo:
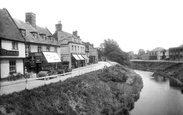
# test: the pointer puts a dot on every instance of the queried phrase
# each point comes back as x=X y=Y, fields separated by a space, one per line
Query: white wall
x=21 y=47
x=6 y=44
x=4 y=68
x=59 y=51
x=19 y=66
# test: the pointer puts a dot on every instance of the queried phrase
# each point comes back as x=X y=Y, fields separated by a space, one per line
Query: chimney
x=31 y=18
x=58 y=26
x=75 y=33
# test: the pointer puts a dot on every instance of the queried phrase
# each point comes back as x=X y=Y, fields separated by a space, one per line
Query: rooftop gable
x=39 y=30
x=8 y=28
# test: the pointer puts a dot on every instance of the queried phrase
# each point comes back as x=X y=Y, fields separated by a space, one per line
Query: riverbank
x=168 y=69
x=111 y=90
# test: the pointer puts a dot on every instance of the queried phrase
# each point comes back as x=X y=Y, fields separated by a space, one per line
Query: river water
x=158 y=97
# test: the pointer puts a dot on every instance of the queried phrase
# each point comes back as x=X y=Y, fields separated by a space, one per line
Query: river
x=158 y=97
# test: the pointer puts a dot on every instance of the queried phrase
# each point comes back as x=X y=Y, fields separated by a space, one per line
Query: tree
x=100 y=51
x=141 y=52
x=113 y=52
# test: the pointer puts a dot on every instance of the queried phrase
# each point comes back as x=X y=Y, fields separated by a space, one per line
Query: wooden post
x=45 y=80
x=26 y=84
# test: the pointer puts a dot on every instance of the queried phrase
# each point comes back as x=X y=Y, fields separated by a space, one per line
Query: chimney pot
x=75 y=33
x=58 y=26
x=31 y=18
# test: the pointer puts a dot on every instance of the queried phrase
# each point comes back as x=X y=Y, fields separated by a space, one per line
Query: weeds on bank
x=100 y=92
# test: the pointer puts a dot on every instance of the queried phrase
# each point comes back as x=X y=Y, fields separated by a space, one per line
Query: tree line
x=111 y=50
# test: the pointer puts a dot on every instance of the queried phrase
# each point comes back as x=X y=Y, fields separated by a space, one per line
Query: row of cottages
x=40 y=46
x=176 y=53
x=24 y=46
x=27 y=47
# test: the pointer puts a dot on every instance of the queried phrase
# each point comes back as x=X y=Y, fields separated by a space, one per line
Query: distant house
x=176 y=53
x=155 y=54
x=93 y=53
x=131 y=55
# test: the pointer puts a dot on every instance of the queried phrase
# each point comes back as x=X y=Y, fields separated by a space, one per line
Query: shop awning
x=51 y=57
x=85 y=57
x=81 y=57
x=76 y=56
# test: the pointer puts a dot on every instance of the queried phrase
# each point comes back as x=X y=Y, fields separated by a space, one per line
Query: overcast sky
x=134 y=24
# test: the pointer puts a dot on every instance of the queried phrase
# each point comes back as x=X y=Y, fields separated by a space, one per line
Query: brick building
x=72 y=47
x=176 y=53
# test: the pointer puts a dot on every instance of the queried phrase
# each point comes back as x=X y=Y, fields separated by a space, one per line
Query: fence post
x=59 y=78
x=45 y=80
x=26 y=84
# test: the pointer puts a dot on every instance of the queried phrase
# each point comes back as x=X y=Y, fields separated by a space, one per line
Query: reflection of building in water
x=175 y=83
x=160 y=78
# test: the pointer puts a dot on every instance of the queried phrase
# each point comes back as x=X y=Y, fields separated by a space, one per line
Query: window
x=27 y=50
x=15 y=45
x=39 y=49
x=47 y=48
x=12 y=65
x=23 y=32
x=35 y=35
x=72 y=48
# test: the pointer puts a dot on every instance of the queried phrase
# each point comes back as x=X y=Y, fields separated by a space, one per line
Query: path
x=19 y=85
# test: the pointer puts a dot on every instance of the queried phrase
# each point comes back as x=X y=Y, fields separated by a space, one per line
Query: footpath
x=19 y=85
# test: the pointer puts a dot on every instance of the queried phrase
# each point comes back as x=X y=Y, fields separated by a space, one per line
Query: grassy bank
x=168 y=69
x=110 y=91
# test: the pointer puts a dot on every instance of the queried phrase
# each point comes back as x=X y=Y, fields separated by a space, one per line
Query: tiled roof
x=158 y=49
x=8 y=29
x=64 y=36
x=30 y=38
x=42 y=30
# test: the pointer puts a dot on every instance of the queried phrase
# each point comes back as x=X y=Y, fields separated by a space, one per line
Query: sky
x=133 y=24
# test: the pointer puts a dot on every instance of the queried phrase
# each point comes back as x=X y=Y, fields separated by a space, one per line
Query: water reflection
x=158 y=97
x=160 y=79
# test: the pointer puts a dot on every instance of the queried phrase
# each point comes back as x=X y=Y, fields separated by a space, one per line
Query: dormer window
x=43 y=36
x=23 y=32
x=50 y=38
x=34 y=34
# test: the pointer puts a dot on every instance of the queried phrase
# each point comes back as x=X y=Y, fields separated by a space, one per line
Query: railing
x=30 y=83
